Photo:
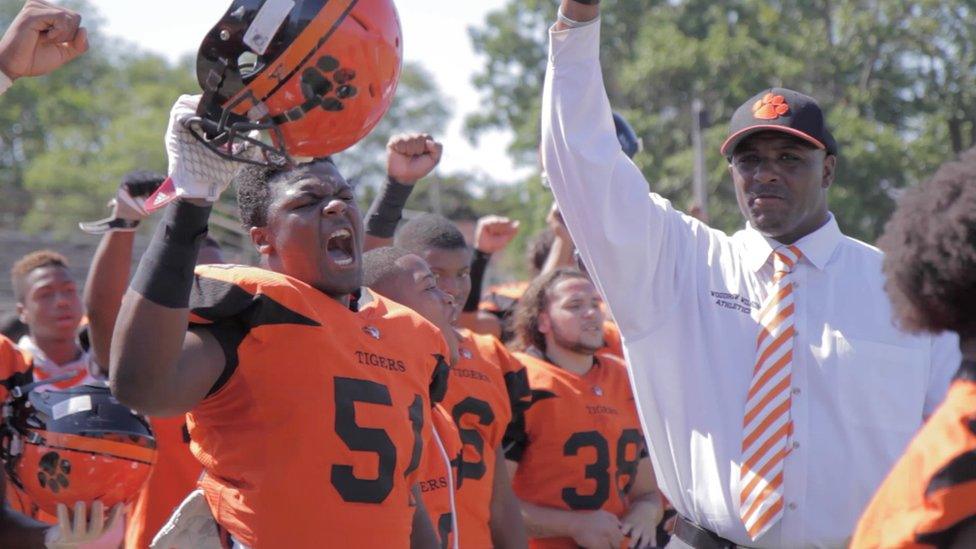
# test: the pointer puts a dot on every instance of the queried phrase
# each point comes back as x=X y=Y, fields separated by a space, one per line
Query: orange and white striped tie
x=767 y=425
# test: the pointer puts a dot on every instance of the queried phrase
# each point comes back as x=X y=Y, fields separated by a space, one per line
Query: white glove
x=194 y=170
x=69 y=534
x=127 y=206
x=191 y=525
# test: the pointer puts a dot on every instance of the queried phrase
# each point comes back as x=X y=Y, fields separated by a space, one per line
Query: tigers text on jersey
x=580 y=441
x=317 y=431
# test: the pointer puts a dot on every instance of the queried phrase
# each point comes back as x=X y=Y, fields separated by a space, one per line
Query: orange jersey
x=440 y=476
x=173 y=477
x=316 y=436
x=502 y=298
x=932 y=489
x=18 y=366
x=13 y=366
x=478 y=402
x=580 y=443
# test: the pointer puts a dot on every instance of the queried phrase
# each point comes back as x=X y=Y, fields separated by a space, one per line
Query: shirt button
x=796 y=444
x=796 y=390
x=792 y=507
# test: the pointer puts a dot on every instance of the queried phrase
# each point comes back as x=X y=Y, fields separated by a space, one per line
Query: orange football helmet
x=74 y=445
x=317 y=75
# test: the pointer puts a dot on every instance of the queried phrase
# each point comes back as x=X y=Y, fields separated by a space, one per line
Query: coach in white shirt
x=774 y=388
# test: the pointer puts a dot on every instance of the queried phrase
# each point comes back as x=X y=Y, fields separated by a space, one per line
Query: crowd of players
x=360 y=388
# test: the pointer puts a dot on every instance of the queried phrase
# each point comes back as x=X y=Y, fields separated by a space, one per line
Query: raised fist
x=40 y=39
x=493 y=233
x=410 y=157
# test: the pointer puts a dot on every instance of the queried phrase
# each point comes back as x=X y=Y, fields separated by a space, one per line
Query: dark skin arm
x=507 y=527
x=108 y=278
x=158 y=366
x=16 y=530
x=422 y=535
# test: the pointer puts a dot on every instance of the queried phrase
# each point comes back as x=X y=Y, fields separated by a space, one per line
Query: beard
x=580 y=344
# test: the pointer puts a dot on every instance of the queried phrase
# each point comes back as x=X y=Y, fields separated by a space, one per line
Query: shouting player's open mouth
x=340 y=247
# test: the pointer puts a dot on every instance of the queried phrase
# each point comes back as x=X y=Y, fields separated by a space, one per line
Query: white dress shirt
x=686 y=298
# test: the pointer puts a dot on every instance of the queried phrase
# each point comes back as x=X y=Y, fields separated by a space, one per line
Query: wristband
x=479 y=264
x=387 y=209
x=588 y=2
x=165 y=274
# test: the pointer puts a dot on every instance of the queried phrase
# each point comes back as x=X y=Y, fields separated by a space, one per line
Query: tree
x=898 y=100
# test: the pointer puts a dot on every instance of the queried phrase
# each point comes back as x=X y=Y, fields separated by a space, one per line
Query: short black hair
x=429 y=231
x=379 y=264
x=930 y=252
x=254 y=190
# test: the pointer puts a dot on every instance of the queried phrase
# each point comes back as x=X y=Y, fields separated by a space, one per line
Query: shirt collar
x=817 y=246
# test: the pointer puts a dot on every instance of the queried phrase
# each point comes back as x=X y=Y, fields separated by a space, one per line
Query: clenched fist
x=493 y=233
x=41 y=38
x=410 y=157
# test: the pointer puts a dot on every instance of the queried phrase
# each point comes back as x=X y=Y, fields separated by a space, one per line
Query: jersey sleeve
x=13 y=367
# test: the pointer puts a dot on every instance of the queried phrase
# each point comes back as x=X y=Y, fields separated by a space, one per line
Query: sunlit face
x=781 y=184
x=314 y=231
x=51 y=306
x=573 y=318
x=415 y=286
x=453 y=271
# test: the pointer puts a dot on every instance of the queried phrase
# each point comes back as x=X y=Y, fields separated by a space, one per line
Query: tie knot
x=785 y=259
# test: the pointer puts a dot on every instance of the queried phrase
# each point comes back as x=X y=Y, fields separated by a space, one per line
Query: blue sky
x=435 y=34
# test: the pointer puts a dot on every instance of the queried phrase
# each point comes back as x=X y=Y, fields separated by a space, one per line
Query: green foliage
x=897 y=80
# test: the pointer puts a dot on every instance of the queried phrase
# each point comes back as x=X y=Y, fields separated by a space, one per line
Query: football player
x=176 y=471
x=486 y=382
x=307 y=409
x=580 y=468
x=406 y=279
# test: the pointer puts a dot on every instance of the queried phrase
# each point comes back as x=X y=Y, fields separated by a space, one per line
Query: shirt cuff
x=578 y=44
x=5 y=82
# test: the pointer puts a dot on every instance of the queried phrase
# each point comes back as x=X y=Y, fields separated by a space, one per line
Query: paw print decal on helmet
x=770 y=107
x=327 y=84
x=54 y=472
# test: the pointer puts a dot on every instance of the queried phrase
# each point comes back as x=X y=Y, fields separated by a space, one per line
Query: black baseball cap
x=782 y=110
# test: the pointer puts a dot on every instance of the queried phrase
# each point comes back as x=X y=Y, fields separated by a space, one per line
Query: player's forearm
x=108 y=278
x=507 y=526
x=547 y=522
x=385 y=213
x=560 y=255
x=152 y=321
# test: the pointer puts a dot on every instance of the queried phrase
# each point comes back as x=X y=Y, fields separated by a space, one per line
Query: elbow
x=130 y=391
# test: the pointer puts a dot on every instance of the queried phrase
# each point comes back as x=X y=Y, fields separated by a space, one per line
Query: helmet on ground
x=74 y=445
x=317 y=75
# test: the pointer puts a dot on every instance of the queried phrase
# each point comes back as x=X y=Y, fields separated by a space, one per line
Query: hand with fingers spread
x=640 y=522
x=80 y=527
x=493 y=233
x=411 y=157
x=40 y=39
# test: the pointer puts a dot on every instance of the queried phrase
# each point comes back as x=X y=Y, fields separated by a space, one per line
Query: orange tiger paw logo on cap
x=770 y=107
